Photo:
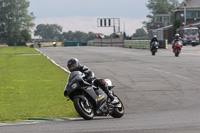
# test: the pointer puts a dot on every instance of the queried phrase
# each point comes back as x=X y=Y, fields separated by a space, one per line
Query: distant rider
x=176 y=38
x=74 y=65
x=154 y=39
x=54 y=43
x=32 y=44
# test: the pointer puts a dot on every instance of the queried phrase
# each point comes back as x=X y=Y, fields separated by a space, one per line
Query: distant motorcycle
x=177 y=47
x=90 y=101
x=54 y=43
x=154 y=47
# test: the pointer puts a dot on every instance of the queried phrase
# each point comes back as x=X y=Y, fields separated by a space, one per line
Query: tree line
x=51 y=32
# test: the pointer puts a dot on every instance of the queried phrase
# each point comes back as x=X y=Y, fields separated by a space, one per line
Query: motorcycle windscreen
x=74 y=81
x=155 y=44
x=74 y=75
x=178 y=43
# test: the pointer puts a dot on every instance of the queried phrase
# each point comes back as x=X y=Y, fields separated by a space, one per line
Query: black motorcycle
x=90 y=101
x=154 y=47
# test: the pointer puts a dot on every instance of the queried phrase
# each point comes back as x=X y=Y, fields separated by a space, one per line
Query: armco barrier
x=163 y=43
x=138 y=44
x=116 y=42
x=90 y=43
x=74 y=43
x=143 y=44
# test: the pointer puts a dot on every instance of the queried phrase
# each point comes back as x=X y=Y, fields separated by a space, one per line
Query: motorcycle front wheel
x=177 y=52
x=153 y=52
x=118 y=110
x=86 y=112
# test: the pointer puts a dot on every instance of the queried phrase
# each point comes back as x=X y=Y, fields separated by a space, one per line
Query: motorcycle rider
x=154 y=39
x=74 y=65
x=176 y=38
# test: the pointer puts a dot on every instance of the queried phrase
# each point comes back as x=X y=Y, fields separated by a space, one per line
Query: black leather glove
x=89 y=79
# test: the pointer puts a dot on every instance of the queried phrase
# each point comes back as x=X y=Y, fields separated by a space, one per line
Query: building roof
x=197 y=24
x=164 y=28
x=190 y=4
x=162 y=15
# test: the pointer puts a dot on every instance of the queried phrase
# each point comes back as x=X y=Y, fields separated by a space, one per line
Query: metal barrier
x=138 y=44
x=90 y=43
x=106 y=42
x=143 y=44
x=163 y=43
x=74 y=43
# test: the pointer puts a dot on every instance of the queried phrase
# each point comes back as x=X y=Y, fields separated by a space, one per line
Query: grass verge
x=17 y=50
x=31 y=86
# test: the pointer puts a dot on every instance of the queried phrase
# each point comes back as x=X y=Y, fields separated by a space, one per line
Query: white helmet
x=155 y=36
x=177 y=35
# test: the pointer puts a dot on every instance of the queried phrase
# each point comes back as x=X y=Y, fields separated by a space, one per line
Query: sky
x=82 y=15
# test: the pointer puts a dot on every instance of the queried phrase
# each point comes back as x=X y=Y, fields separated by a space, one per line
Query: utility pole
x=185 y=19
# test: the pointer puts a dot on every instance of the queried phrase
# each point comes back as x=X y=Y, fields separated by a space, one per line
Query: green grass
x=17 y=50
x=30 y=87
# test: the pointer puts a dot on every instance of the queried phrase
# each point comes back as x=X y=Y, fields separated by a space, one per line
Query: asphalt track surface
x=161 y=93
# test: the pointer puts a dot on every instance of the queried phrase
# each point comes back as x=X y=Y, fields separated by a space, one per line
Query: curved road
x=161 y=93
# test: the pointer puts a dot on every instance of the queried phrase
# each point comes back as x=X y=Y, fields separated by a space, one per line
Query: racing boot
x=114 y=100
x=102 y=84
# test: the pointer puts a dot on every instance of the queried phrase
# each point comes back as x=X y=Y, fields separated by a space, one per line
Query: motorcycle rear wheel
x=86 y=112
x=118 y=111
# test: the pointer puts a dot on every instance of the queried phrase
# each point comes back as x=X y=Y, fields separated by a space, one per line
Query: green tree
x=160 y=6
x=48 y=31
x=80 y=36
x=68 y=36
x=91 y=36
x=25 y=37
x=176 y=25
x=15 y=21
x=77 y=36
x=140 y=33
